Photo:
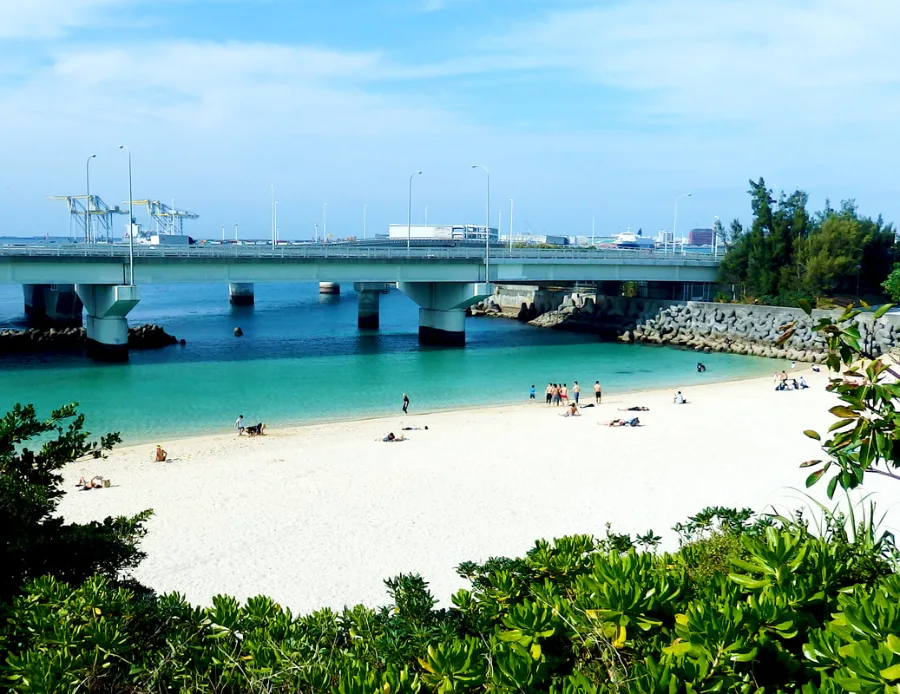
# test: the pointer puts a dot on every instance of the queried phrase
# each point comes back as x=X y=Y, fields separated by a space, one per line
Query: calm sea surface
x=302 y=359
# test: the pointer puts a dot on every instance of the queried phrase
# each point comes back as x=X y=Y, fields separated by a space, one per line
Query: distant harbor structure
x=441 y=232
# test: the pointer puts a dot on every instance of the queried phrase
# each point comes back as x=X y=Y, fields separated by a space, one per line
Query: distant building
x=665 y=236
x=538 y=239
x=700 y=237
x=443 y=232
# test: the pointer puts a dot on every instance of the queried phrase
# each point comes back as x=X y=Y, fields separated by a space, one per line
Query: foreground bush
x=785 y=611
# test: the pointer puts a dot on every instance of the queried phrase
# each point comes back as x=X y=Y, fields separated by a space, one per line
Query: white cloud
x=31 y=19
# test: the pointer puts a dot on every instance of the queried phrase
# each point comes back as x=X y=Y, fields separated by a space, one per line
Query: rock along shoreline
x=147 y=336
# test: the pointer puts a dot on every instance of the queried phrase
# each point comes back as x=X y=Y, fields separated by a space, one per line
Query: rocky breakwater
x=34 y=340
x=754 y=330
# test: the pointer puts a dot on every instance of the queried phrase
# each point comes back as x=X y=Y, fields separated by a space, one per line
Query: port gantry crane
x=92 y=217
x=166 y=220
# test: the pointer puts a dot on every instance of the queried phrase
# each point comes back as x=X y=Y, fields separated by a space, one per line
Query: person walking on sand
x=598 y=392
x=549 y=393
x=531 y=392
x=405 y=403
x=576 y=391
x=239 y=425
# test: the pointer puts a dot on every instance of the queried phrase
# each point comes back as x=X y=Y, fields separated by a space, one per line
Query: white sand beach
x=318 y=516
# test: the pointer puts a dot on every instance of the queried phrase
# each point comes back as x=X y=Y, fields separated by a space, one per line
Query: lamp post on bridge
x=130 y=220
x=364 y=221
x=675 y=221
x=487 y=224
x=510 y=224
x=409 y=211
x=87 y=209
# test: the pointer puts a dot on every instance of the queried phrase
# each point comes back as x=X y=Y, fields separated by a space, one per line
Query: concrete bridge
x=443 y=281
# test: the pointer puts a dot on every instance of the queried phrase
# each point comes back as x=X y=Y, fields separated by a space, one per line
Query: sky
x=581 y=110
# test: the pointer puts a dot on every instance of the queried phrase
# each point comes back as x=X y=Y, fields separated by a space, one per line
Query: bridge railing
x=314 y=252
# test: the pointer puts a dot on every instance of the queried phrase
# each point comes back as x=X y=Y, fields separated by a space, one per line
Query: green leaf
x=882 y=310
x=815 y=477
x=813 y=434
x=832 y=486
x=678 y=648
x=844 y=412
x=891 y=673
x=810 y=463
x=893 y=643
x=745 y=657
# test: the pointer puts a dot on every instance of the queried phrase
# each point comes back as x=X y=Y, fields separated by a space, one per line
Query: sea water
x=302 y=359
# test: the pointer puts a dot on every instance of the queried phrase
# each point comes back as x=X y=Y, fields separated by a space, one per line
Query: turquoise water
x=303 y=359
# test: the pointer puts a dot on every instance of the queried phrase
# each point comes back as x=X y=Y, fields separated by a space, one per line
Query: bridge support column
x=442 y=308
x=52 y=304
x=240 y=293
x=329 y=288
x=369 y=294
x=106 y=307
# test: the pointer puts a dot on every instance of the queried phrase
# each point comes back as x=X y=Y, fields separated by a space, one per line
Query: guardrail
x=317 y=252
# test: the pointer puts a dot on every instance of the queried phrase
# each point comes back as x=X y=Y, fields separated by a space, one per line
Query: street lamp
x=364 y=221
x=87 y=209
x=274 y=214
x=324 y=222
x=409 y=211
x=675 y=221
x=510 y=224
x=130 y=220
x=487 y=223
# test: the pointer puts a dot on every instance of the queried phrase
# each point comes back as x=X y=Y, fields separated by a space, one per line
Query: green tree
x=33 y=540
x=833 y=255
x=892 y=283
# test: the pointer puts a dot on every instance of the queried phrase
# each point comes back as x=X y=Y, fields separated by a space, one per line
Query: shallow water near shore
x=302 y=359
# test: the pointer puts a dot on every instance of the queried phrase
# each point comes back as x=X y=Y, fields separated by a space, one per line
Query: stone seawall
x=702 y=326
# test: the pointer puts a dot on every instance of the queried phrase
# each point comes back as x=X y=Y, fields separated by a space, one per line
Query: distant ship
x=628 y=239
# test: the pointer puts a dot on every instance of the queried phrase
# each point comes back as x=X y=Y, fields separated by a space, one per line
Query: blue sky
x=577 y=107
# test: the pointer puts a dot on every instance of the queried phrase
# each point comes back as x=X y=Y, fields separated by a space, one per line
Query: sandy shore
x=318 y=516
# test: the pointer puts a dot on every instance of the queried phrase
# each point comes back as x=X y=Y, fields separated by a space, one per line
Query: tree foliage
x=786 y=253
x=34 y=541
x=865 y=439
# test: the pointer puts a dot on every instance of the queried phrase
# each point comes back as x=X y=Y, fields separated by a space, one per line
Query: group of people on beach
x=558 y=393
x=782 y=382
x=254 y=430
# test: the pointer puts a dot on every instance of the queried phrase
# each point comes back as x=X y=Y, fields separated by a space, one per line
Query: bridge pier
x=368 y=297
x=442 y=308
x=52 y=304
x=240 y=293
x=329 y=288
x=106 y=307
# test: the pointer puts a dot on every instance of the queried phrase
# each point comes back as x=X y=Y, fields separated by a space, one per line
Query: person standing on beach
x=576 y=391
x=564 y=393
x=598 y=392
x=549 y=393
x=554 y=392
x=531 y=392
x=239 y=425
x=405 y=403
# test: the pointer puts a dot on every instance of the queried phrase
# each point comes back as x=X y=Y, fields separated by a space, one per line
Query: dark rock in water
x=238 y=332
x=73 y=339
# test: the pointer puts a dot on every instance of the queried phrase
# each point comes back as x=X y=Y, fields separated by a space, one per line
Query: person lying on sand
x=256 y=429
x=625 y=423
x=571 y=411
x=635 y=408
x=414 y=428
x=95 y=483
x=390 y=438
x=160 y=455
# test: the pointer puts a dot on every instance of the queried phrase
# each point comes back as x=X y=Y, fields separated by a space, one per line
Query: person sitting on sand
x=256 y=429
x=679 y=399
x=390 y=438
x=571 y=411
x=803 y=383
x=635 y=408
x=160 y=455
